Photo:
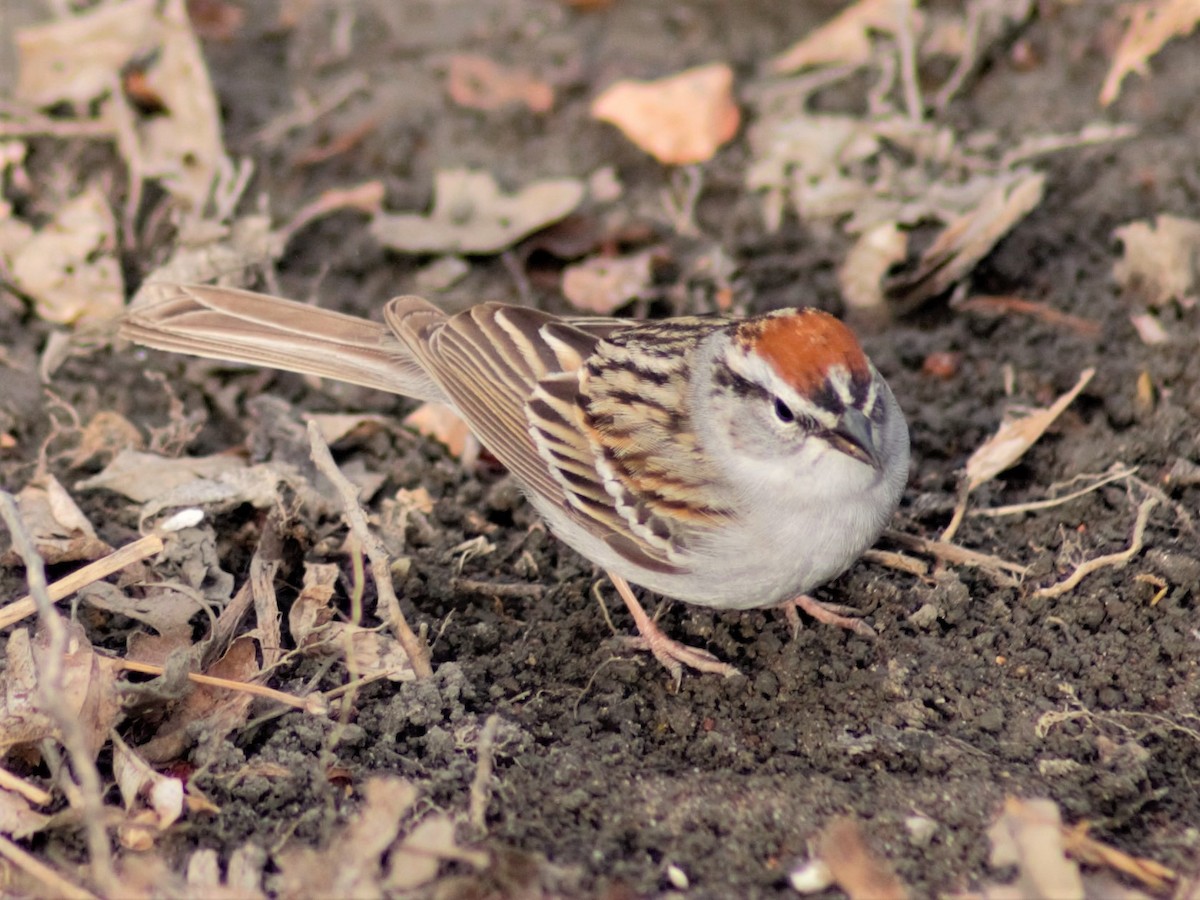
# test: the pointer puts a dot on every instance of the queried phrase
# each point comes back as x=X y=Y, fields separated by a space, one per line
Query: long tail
x=240 y=326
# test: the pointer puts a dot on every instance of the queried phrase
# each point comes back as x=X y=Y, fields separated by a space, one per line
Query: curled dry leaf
x=969 y=238
x=59 y=528
x=70 y=266
x=678 y=120
x=1013 y=438
x=88 y=682
x=603 y=285
x=862 y=272
x=153 y=801
x=1151 y=24
x=104 y=436
x=1029 y=835
x=1161 y=262
x=860 y=872
x=471 y=215
x=477 y=82
x=312 y=624
x=844 y=39
x=353 y=863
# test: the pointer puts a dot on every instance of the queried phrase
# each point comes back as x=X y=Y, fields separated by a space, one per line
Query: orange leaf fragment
x=678 y=120
x=443 y=424
x=1151 y=25
x=477 y=82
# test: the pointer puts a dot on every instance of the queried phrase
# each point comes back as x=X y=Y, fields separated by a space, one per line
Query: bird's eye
x=784 y=412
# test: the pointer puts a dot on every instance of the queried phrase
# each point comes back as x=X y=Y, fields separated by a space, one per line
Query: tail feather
x=240 y=326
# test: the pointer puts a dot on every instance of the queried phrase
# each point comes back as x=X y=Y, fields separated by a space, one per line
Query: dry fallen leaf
x=1161 y=262
x=70 y=266
x=105 y=435
x=80 y=60
x=88 y=683
x=678 y=120
x=603 y=285
x=352 y=864
x=856 y=868
x=311 y=621
x=969 y=238
x=17 y=818
x=1151 y=24
x=443 y=424
x=1013 y=438
x=471 y=215
x=59 y=529
x=210 y=712
x=1028 y=835
x=844 y=39
x=861 y=274
x=153 y=802
x=477 y=82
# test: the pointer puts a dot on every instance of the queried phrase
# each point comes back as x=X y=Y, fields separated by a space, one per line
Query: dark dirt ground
x=604 y=775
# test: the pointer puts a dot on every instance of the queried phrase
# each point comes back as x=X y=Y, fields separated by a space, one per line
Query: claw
x=672 y=654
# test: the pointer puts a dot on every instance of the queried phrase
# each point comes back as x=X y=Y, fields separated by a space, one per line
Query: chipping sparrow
x=726 y=463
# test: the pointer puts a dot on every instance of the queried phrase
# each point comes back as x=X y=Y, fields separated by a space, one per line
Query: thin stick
x=129 y=554
x=1016 y=508
x=495 y=589
x=481 y=790
x=897 y=561
x=244 y=687
x=30 y=792
x=57 y=885
x=55 y=701
x=1117 y=559
x=417 y=652
x=953 y=553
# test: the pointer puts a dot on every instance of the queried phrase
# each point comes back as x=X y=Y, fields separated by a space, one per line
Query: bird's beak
x=853 y=437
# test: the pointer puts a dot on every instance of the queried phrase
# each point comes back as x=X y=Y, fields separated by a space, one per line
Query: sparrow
x=728 y=463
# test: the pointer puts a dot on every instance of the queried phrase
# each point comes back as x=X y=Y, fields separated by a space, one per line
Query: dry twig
x=1115 y=560
x=417 y=652
x=55 y=701
x=481 y=791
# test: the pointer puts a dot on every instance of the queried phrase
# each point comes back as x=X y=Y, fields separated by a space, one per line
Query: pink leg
x=672 y=654
x=829 y=613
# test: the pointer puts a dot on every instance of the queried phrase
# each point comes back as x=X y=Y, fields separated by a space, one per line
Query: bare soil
x=604 y=776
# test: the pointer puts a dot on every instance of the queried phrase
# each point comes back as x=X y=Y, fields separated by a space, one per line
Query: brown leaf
x=17 y=818
x=1028 y=834
x=843 y=39
x=1161 y=262
x=59 y=529
x=471 y=215
x=678 y=120
x=104 y=436
x=854 y=865
x=477 y=82
x=968 y=239
x=603 y=285
x=153 y=801
x=1151 y=24
x=443 y=424
x=213 y=710
x=70 y=266
x=1013 y=438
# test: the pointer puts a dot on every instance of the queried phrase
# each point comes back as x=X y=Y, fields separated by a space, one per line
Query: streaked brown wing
x=489 y=360
x=635 y=409
x=530 y=386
